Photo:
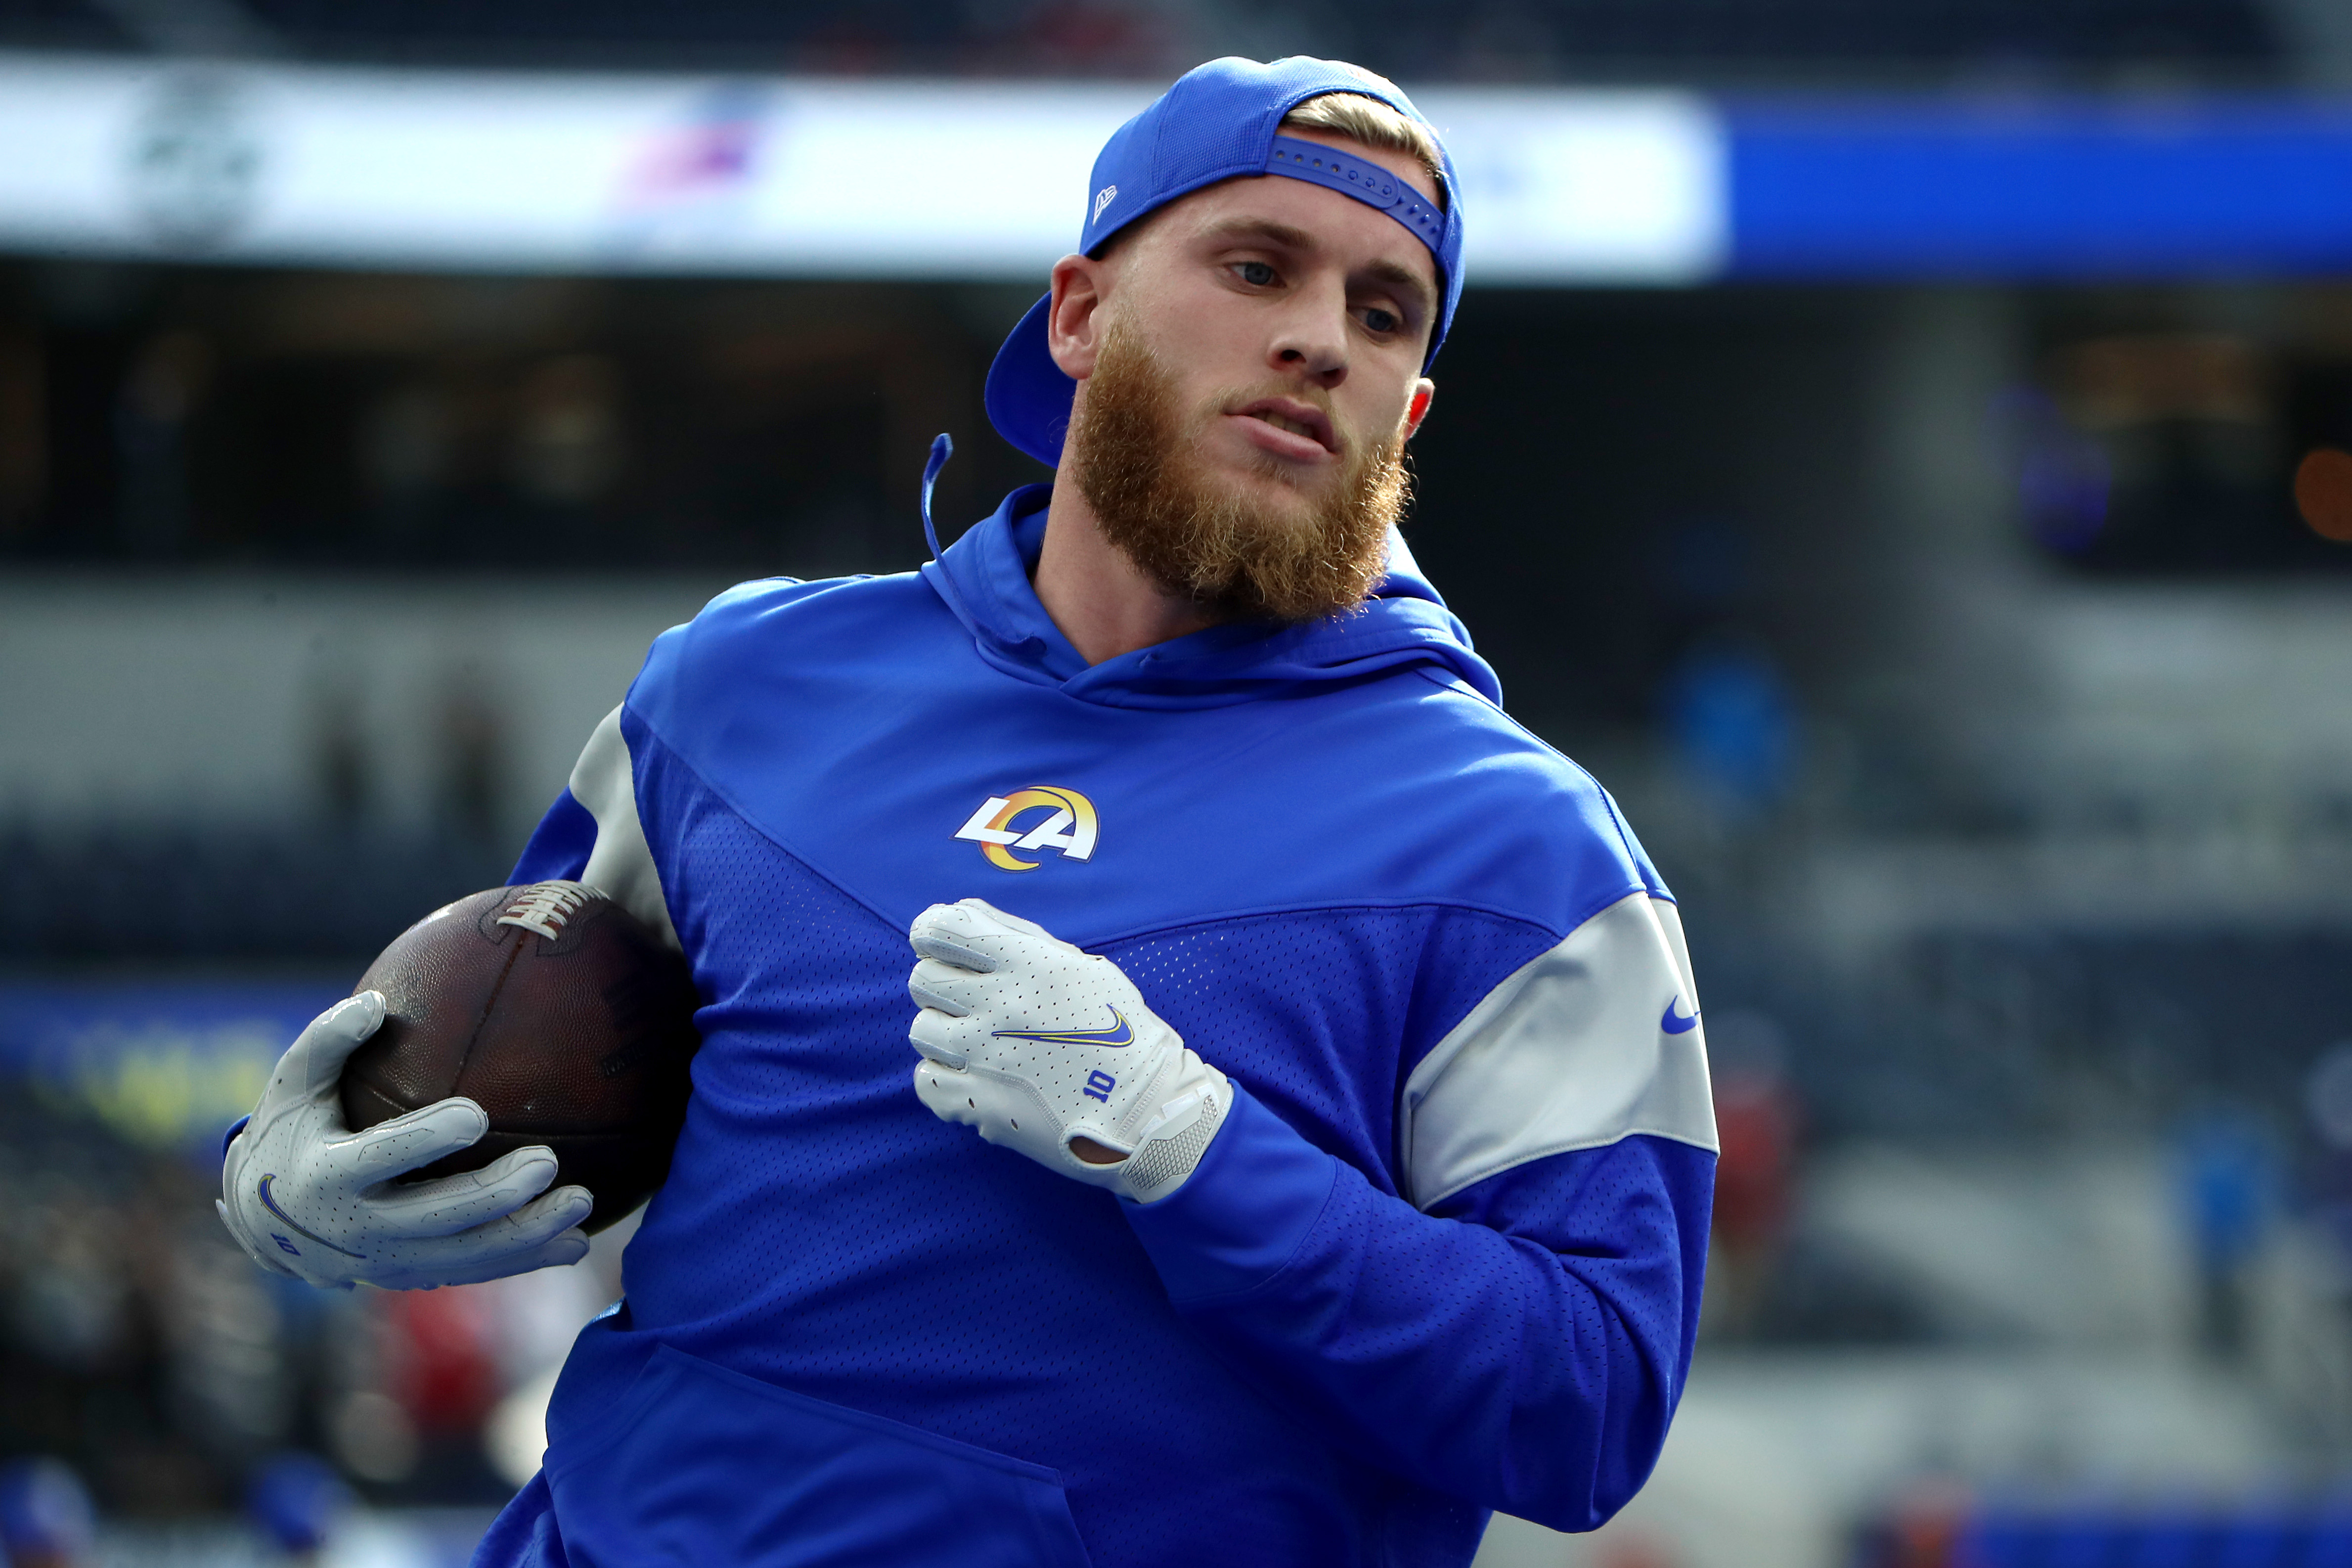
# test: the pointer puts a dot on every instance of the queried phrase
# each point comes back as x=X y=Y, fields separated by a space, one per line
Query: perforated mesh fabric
x=822 y=1231
x=1300 y=1006
x=1163 y=1160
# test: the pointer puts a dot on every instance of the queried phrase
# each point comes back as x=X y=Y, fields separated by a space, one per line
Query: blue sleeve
x=1522 y=1348
x=558 y=849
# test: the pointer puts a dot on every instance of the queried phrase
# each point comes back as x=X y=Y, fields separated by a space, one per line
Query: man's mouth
x=1294 y=418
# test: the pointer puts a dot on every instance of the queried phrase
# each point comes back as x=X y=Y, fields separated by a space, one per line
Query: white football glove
x=1036 y=1043
x=306 y=1196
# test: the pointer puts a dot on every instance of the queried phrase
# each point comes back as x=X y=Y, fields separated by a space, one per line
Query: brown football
x=559 y=1012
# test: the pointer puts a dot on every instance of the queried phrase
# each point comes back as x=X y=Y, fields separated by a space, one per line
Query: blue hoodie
x=1444 y=1258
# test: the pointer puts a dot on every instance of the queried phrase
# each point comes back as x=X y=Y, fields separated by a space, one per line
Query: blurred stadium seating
x=1511 y=41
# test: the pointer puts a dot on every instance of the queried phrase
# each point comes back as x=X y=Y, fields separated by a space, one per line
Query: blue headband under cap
x=1220 y=121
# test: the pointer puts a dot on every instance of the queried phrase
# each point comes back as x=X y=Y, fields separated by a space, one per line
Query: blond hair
x=1367 y=119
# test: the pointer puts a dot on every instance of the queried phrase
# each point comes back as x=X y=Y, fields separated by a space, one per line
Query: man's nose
x=1313 y=341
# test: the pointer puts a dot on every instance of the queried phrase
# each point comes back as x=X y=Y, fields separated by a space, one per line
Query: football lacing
x=543 y=907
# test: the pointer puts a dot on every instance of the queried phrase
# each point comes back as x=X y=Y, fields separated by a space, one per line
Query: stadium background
x=1901 y=448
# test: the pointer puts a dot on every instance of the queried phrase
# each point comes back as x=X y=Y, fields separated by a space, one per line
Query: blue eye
x=1255 y=273
x=1379 y=320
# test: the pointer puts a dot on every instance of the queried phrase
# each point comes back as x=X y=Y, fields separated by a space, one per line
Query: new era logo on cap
x=1103 y=198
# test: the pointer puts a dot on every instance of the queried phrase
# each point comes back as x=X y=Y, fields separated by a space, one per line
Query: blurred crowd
x=154 y=1373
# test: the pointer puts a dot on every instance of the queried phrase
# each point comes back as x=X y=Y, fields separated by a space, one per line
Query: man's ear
x=1424 y=392
x=1074 y=324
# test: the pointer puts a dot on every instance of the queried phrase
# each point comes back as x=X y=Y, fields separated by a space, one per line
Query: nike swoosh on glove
x=306 y=1196
x=1036 y=1043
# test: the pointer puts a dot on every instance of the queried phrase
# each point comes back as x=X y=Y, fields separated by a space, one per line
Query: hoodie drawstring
x=942 y=448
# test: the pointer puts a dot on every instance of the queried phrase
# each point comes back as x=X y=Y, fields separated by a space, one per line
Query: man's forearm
x=1523 y=1349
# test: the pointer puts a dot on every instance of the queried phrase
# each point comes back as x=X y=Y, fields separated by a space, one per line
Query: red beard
x=1239 y=558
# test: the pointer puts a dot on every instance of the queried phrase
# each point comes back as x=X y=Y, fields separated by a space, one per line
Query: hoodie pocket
x=704 y=1466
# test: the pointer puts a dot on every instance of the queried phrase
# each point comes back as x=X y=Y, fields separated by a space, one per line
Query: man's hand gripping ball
x=1051 y=1052
x=306 y=1196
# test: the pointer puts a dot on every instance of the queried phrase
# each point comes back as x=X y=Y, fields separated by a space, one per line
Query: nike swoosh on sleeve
x=1673 y=1026
x=1118 y=1035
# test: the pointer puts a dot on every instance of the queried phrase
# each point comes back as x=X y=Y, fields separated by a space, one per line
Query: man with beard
x=1338 y=1039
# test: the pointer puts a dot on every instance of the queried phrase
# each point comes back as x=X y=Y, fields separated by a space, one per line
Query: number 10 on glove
x=1050 y=1050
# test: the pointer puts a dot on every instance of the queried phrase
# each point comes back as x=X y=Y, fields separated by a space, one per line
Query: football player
x=1306 y=1146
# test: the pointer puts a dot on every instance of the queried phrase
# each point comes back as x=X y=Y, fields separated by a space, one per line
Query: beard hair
x=1133 y=457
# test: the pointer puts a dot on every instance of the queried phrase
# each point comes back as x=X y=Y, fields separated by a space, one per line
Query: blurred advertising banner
x=163 y=1064
x=763 y=176
x=2163 y=186
x=986 y=180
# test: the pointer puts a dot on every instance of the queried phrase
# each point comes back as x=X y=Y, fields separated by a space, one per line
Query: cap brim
x=1028 y=396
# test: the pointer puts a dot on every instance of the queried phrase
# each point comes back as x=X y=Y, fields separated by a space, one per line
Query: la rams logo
x=1068 y=826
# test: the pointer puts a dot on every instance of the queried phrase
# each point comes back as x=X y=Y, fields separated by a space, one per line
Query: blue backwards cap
x=1220 y=120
